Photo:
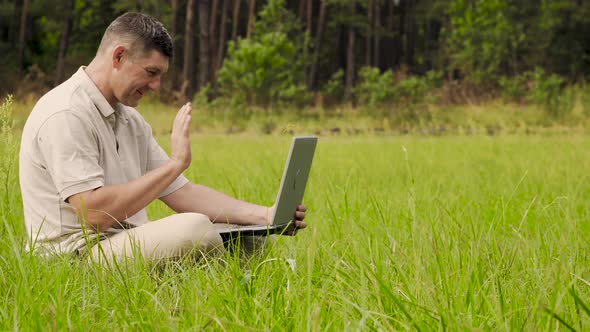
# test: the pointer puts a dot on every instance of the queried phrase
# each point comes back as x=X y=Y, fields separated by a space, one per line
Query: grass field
x=447 y=233
x=426 y=233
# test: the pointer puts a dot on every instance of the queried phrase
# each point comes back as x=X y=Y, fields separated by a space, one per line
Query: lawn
x=456 y=233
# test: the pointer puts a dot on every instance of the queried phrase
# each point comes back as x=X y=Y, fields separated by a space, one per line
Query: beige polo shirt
x=74 y=141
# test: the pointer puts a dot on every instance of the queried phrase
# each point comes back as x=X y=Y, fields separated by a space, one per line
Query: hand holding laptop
x=299 y=216
x=288 y=213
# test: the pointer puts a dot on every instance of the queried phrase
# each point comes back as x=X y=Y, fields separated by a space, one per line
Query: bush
x=334 y=88
x=374 y=88
x=513 y=88
x=267 y=68
x=9 y=150
x=547 y=91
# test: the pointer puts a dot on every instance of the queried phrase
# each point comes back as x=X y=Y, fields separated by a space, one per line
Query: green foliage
x=334 y=88
x=415 y=89
x=482 y=38
x=513 y=88
x=495 y=248
x=374 y=88
x=9 y=151
x=546 y=90
x=539 y=88
x=267 y=68
x=585 y=98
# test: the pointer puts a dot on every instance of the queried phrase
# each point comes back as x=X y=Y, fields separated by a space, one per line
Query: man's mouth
x=140 y=93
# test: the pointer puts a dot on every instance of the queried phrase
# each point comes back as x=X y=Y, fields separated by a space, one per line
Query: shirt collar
x=94 y=93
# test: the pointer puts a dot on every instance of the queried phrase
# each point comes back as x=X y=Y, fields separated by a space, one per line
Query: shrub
x=334 y=88
x=513 y=88
x=547 y=91
x=9 y=150
x=374 y=88
x=267 y=68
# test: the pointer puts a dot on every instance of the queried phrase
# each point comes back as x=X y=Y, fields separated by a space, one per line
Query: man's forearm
x=219 y=207
x=105 y=206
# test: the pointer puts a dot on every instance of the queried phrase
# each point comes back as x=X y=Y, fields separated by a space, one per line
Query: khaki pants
x=170 y=238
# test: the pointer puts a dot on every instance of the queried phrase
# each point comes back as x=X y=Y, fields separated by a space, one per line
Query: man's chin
x=131 y=102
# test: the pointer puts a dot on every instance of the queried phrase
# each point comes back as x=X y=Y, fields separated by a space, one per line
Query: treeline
x=264 y=52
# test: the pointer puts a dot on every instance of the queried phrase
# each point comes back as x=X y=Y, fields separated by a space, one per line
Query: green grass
x=405 y=233
x=447 y=233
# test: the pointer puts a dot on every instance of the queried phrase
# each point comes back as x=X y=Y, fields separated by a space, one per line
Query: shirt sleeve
x=158 y=157
x=69 y=150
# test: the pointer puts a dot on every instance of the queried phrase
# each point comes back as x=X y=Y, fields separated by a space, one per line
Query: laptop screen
x=294 y=178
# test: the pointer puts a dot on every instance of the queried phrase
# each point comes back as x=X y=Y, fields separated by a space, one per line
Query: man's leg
x=168 y=238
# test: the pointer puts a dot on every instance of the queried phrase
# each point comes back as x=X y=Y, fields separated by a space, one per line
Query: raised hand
x=180 y=147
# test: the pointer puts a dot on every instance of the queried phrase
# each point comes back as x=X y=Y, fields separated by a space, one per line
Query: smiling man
x=89 y=164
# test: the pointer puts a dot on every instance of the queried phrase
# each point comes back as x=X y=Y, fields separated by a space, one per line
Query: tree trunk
x=213 y=40
x=204 y=44
x=308 y=25
x=301 y=12
x=369 y=33
x=235 y=20
x=350 y=70
x=317 y=45
x=410 y=34
x=251 y=17
x=64 y=42
x=22 y=35
x=14 y=24
x=309 y=16
x=174 y=36
x=189 y=83
x=394 y=41
x=222 y=34
x=377 y=31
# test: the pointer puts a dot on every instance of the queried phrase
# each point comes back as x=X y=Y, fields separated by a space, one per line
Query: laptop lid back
x=294 y=179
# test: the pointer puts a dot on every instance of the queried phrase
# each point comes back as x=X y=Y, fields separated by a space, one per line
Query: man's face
x=137 y=75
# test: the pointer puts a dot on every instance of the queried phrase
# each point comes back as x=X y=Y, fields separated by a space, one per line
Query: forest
x=308 y=52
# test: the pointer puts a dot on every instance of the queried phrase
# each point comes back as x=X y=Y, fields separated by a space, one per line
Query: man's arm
x=221 y=208
x=103 y=207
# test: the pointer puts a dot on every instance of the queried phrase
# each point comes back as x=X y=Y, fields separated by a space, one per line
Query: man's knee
x=196 y=230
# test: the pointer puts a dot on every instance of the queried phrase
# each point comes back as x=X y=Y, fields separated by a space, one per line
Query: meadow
x=405 y=233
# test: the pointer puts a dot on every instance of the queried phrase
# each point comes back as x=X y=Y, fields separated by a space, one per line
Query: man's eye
x=151 y=73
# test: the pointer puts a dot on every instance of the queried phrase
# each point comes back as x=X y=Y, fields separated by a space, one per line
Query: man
x=89 y=164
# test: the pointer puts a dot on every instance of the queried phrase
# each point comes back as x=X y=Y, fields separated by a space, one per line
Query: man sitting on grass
x=89 y=164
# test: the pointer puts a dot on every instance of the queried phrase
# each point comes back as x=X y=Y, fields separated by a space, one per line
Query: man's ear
x=118 y=56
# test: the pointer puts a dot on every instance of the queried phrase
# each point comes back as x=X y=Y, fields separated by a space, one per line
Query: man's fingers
x=300 y=224
x=299 y=215
x=183 y=119
x=302 y=208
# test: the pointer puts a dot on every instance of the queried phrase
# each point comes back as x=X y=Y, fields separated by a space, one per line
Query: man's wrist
x=263 y=215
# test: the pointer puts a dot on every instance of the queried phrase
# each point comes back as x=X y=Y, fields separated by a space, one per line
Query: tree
x=213 y=40
x=204 y=44
x=235 y=20
x=22 y=35
x=266 y=68
x=189 y=83
x=64 y=41
x=376 y=33
x=350 y=57
x=174 y=35
x=317 y=45
x=251 y=17
x=222 y=33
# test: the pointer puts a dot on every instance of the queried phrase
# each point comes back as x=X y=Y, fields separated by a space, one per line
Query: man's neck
x=99 y=76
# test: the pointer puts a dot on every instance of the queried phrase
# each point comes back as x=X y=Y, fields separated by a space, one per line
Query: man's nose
x=154 y=85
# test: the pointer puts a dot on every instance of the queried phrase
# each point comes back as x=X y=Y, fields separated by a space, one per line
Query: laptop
x=290 y=193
